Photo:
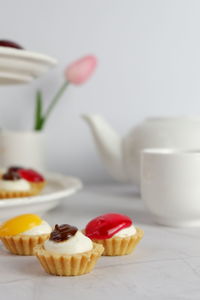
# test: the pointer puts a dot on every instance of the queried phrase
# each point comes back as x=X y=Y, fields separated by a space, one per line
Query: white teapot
x=121 y=156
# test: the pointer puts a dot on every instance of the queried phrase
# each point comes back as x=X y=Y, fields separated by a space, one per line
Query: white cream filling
x=131 y=230
x=15 y=185
x=76 y=244
x=43 y=228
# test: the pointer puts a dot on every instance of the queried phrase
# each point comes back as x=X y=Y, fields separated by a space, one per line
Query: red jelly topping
x=105 y=226
x=31 y=175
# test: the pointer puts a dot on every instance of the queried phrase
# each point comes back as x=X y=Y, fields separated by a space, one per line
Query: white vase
x=22 y=148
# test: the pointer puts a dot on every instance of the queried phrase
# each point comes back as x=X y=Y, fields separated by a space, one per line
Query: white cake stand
x=22 y=66
x=59 y=187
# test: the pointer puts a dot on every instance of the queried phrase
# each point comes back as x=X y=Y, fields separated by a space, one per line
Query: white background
x=149 y=64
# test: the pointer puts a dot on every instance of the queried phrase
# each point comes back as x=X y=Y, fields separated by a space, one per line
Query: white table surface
x=165 y=265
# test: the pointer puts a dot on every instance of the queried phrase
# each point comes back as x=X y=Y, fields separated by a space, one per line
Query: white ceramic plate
x=22 y=66
x=58 y=187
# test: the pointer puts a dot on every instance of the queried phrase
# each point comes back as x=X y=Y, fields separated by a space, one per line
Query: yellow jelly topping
x=19 y=224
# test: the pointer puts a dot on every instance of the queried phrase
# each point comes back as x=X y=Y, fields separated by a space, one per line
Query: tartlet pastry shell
x=4 y=194
x=68 y=265
x=120 y=246
x=35 y=189
x=23 y=244
x=38 y=185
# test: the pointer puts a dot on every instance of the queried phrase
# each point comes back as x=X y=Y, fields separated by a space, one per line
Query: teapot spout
x=109 y=146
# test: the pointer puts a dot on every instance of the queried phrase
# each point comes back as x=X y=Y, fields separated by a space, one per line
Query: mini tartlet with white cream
x=22 y=233
x=68 y=252
x=18 y=182
x=115 y=232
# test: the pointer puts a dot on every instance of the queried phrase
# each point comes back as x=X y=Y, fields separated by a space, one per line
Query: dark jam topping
x=14 y=169
x=62 y=232
x=105 y=226
x=11 y=176
x=10 y=44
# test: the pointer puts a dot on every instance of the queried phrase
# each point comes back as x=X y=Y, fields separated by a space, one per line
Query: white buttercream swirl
x=78 y=243
x=15 y=185
x=43 y=228
x=128 y=231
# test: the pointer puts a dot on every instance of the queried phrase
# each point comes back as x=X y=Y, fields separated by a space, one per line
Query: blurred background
x=149 y=65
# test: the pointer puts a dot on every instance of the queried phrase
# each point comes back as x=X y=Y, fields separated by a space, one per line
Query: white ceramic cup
x=170 y=186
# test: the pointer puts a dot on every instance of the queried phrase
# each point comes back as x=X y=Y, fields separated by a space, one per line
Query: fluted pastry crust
x=68 y=265
x=23 y=244
x=120 y=246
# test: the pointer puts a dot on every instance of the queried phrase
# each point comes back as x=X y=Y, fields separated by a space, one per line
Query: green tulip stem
x=55 y=101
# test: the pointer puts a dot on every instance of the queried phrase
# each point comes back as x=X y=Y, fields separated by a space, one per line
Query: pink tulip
x=79 y=71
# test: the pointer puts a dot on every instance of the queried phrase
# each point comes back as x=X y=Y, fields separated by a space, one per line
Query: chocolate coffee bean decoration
x=11 y=176
x=62 y=232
